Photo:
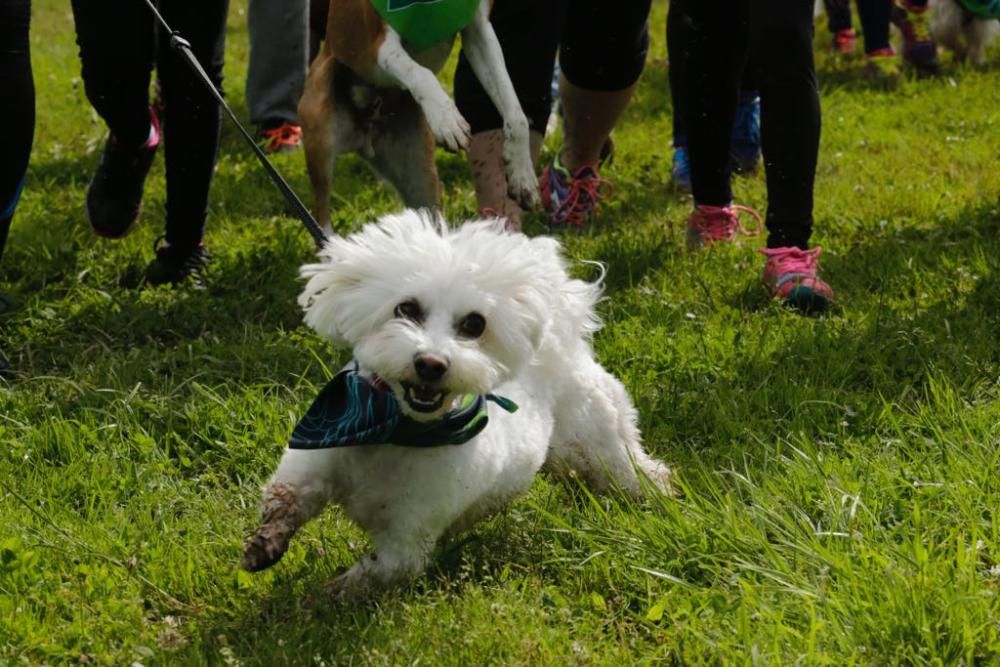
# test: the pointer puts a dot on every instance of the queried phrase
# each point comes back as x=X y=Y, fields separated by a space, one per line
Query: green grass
x=839 y=474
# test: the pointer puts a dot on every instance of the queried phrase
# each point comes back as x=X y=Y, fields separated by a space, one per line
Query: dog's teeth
x=423 y=397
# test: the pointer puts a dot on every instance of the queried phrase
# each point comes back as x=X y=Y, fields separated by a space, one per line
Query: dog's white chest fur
x=449 y=487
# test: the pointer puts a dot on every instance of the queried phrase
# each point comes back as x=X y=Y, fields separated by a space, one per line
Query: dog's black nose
x=429 y=367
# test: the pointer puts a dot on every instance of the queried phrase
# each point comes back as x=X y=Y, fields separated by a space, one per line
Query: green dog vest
x=984 y=9
x=424 y=23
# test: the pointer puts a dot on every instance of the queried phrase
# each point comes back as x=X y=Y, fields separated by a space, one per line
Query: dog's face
x=435 y=313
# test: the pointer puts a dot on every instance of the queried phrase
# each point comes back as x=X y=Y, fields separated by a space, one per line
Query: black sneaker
x=176 y=264
x=115 y=194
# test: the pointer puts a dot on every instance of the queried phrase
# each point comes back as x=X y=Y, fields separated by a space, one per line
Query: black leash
x=183 y=47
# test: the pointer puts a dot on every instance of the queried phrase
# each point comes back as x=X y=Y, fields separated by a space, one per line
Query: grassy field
x=839 y=474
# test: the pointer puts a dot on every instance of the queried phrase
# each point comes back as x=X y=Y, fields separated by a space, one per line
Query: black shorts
x=602 y=46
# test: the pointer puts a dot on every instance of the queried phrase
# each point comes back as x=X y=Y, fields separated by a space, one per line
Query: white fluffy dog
x=966 y=33
x=439 y=319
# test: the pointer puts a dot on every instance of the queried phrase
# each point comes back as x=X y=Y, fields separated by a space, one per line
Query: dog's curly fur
x=574 y=417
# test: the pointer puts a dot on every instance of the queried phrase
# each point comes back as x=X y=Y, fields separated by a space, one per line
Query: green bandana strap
x=424 y=23
x=504 y=402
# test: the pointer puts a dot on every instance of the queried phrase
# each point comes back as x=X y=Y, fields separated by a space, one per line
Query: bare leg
x=588 y=117
x=489 y=174
x=486 y=59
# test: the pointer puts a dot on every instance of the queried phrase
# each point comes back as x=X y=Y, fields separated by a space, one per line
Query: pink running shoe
x=709 y=224
x=792 y=275
x=844 y=42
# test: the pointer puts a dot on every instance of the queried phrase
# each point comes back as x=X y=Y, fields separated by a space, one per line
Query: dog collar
x=352 y=410
x=424 y=23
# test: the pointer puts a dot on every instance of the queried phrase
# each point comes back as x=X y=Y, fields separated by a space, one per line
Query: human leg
x=602 y=54
x=790 y=123
x=790 y=116
x=707 y=48
x=529 y=58
x=116 y=50
x=875 y=16
x=17 y=108
x=192 y=120
x=912 y=17
x=279 y=58
x=838 y=15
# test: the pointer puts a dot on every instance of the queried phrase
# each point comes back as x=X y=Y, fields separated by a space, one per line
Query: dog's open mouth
x=423 y=397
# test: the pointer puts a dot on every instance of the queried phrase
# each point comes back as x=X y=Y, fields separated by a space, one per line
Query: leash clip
x=178 y=42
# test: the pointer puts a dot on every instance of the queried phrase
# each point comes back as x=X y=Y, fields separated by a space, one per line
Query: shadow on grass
x=833 y=377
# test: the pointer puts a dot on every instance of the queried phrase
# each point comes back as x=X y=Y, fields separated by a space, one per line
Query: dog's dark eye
x=410 y=310
x=472 y=325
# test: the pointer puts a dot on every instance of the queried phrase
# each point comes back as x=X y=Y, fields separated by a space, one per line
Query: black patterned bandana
x=352 y=410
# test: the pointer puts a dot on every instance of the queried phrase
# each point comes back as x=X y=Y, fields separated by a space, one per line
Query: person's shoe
x=175 y=264
x=280 y=138
x=792 y=275
x=680 y=173
x=882 y=67
x=571 y=201
x=114 y=197
x=744 y=144
x=845 y=41
x=919 y=49
x=711 y=224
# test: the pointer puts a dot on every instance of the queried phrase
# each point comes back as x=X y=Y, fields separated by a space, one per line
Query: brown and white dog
x=367 y=92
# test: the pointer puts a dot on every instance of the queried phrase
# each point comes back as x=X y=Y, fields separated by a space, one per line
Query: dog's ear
x=563 y=306
x=331 y=297
x=352 y=289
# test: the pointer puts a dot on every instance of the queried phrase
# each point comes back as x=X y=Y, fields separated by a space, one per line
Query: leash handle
x=183 y=47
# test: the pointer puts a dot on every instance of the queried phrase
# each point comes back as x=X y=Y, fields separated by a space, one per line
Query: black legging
x=118 y=47
x=602 y=46
x=874 y=15
x=708 y=43
x=17 y=107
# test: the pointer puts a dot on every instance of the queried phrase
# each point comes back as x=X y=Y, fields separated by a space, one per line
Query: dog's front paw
x=262 y=550
x=448 y=126
x=522 y=187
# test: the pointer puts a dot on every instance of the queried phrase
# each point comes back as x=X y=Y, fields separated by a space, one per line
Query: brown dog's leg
x=404 y=156
x=322 y=132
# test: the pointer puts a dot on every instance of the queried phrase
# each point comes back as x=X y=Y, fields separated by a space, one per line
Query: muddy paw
x=523 y=188
x=261 y=552
x=448 y=126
